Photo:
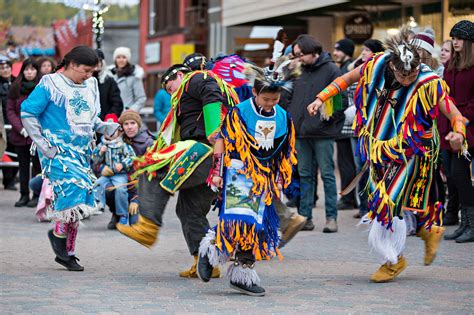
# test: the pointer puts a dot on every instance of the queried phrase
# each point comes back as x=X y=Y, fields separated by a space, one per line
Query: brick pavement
x=321 y=273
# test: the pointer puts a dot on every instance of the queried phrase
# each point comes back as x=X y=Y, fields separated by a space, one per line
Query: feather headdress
x=404 y=56
x=272 y=79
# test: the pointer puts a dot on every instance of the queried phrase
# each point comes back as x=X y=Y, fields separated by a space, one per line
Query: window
x=163 y=16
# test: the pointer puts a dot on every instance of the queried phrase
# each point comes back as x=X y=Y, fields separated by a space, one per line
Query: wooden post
x=445 y=19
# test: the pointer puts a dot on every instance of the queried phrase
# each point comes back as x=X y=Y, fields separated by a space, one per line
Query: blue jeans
x=121 y=193
x=35 y=185
x=314 y=153
x=363 y=194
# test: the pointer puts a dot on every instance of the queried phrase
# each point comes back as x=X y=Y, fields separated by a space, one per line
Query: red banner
x=73 y=32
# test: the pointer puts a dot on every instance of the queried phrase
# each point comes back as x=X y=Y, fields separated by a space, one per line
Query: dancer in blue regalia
x=61 y=115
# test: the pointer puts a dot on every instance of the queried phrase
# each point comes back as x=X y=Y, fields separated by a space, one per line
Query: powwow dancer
x=61 y=115
x=398 y=100
x=181 y=159
x=256 y=151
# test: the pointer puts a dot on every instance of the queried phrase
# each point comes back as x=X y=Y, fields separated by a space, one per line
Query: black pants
x=347 y=169
x=461 y=175
x=9 y=173
x=194 y=203
x=24 y=160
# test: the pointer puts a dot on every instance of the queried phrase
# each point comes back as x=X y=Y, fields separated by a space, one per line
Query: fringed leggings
x=69 y=231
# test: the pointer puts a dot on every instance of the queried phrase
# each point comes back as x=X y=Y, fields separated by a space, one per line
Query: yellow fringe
x=262 y=178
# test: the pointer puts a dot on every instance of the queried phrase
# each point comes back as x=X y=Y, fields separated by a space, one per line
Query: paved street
x=321 y=273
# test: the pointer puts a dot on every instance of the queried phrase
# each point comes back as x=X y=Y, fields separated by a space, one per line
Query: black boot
x=59 y=245
x=70 y=263
x=24 y=199
x=113 y=221
x=33 y=202
x=460 y=229
x=468 y=234
x=450 y=218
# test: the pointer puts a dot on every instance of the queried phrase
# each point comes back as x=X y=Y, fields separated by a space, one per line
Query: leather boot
x=297 y=222
x=432 y=239
x=460 y=229
x=192 y=272
x=144 y=231
x=24 y=199
x=387 y=272
x=468 y=234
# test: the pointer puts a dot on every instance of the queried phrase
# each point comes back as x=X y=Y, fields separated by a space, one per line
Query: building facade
x=169 y=30
x=331 y=20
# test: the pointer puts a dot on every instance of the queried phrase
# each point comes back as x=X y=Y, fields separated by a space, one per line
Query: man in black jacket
x=315 y=137
x=6 y=79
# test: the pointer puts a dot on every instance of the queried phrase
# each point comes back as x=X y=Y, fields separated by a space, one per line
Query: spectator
x=161 y=106
x=425 y=43
x=459 y=75
x=446 y=52
x=27 y=80
x=114 y=159
x=6 y=79
x=110 y=100
x=451 y=213
x=343 y=52
x=129 y=79
x=140 y=138
x=279 y=45
x=315 y=137
x=46 y=65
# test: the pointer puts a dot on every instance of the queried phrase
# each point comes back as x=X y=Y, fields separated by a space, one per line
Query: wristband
x=337 y=86
x=459 y=125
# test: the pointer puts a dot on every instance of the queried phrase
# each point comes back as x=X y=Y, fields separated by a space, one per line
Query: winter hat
x=346 y=46
x=464 y=30
x=374 y=45
x=130 y=114
x=111 y=118
x=424 y=40
x=122 y=51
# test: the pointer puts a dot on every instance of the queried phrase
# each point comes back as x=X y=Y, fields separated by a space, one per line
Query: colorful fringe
x=238 y=142
x=406 y=132
x=168 y=134
x=167 y=149
x=331 y=106
x=263 y=242
x=434 y=216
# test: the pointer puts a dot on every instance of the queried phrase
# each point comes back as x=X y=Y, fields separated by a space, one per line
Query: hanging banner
x=73 y=32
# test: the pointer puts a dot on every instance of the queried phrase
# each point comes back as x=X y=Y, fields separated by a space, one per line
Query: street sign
x=359 y=28
x=153 y=52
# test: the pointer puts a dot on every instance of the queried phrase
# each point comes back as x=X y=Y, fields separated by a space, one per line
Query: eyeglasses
x=299 y=55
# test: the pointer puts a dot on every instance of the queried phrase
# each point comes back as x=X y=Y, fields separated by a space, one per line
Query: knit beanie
x=464 y=30
x=130 y=114
x=374 y=45
x=346 y=46
x=424 y=40
x=122 y=51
